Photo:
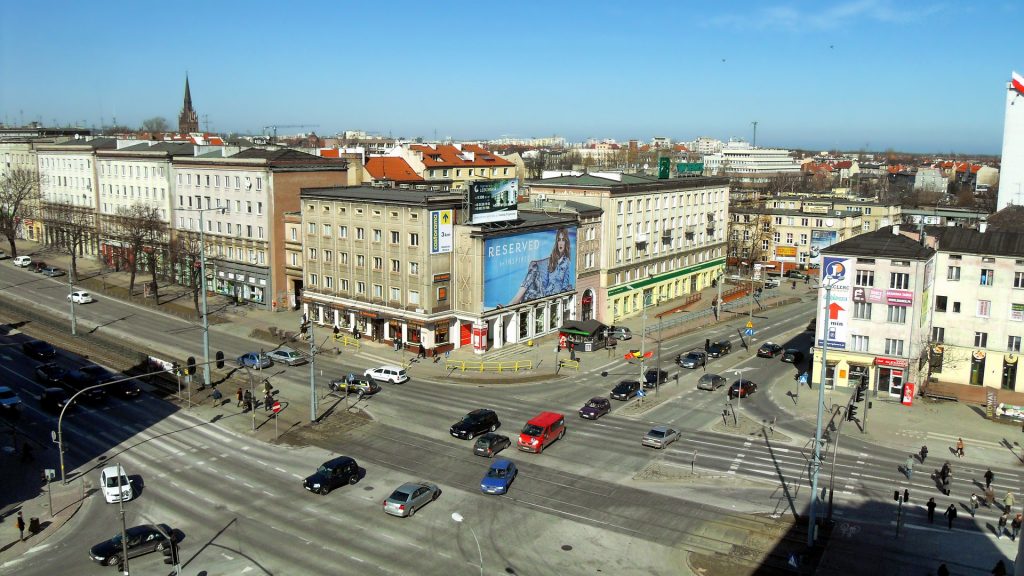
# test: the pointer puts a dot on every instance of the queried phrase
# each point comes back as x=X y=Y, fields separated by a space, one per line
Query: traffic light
x=176 y=368
x=191 y=362
x=171 y=553
x=220 y=359
x=859 y=397
x=851 y=412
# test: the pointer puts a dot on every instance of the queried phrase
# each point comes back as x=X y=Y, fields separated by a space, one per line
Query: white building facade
x=1011 y=177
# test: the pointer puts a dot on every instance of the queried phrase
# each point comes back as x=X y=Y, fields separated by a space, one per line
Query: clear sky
x=862 y=74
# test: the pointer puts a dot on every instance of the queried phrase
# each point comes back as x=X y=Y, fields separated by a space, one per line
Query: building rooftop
x=628 y=182
x=793 y=212
x=972 y=241
x=1009 y=218
x=383 y=195
x=881 y=243
x=391 y=168
x=462 y=156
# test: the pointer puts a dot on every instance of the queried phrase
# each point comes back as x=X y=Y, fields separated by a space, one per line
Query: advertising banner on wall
x=835 y=272
x=822 y=239
x=528 y=266
x=493 y=201
x=441 y=234
x=785 y=253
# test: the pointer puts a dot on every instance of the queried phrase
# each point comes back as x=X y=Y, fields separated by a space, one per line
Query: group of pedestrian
x=1015 y=525
x=946 y=477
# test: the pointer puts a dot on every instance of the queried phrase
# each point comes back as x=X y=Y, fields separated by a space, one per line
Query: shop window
x=524 y=324
x=978 y=368
x=1009 y=379
x=442 y=293
x=441 y=335
x=553 y=316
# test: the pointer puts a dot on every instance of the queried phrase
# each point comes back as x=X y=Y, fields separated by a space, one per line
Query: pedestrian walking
x=1002 y=524
x=924 y=453
x=944 y=471
x=990 y=497
x=959 y=447
x=21 y=526
x=999 y=569
x=267 y=401
x=1015 y=525
x=217 y=396
x=267 y=388
x=974 y=504
x=908 y=467
x=946 y=482
x=238 y=394
x=422 y=353
x=1008 y=502
x=989 y=476
x=951 y=515
x=931 y=510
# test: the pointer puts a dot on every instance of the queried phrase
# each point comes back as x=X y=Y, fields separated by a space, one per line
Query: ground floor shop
x=884 y=375
x=627 y=300
x=243 y=283
x=974 y=366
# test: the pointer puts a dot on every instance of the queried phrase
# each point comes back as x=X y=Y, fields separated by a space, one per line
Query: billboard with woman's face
x=528 y=266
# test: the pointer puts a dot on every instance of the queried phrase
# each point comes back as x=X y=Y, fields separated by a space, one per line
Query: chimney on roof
x=982 y=226
x=895 y=229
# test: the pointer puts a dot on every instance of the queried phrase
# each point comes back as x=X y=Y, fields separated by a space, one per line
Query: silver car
x=410 y=497
x=287 y=356
x=660 y=437
x=711 y=382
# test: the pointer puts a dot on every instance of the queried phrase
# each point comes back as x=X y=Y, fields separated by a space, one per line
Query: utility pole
x=312 y=371
x=124 y=529
x=816 y=464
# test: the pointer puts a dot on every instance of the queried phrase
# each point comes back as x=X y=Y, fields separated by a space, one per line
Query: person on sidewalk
x=238 y=395
x=931 y=510
x=422 y=353
x=21 y=526
x=959 y=447
x=989 y=477
x=1008 y=502
x=974 y=504
x=924 y=453
x=990 y=497
x=267 y=401
x=951 y=515
x=1015 y=526
x=946 y=482
x=217 y=396
x=908 y=467
x=1002 y=525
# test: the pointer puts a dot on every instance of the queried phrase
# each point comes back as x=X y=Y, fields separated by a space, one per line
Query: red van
x=541 y=430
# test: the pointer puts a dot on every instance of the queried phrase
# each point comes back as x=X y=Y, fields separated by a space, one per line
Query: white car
x=109 y=484
x=22 y=261
x=286 y=355
x=80 y=297
x=392 y=374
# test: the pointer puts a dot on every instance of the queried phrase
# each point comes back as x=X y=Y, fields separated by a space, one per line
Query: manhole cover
x=566 y=547
x=367 y=488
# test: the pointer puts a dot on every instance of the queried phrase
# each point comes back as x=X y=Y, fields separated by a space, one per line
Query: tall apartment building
x=460 y=164
x=747 y=164
x=789 y=237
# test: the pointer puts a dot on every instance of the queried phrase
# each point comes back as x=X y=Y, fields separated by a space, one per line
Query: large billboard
x=835 y=272
x=528 y=266
x=493 y=200
x=442 y=236
x=822 y=239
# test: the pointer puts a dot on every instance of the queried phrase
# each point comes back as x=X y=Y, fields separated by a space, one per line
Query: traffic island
x=741 y=425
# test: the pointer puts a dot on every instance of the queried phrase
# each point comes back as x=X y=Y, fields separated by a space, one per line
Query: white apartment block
x=740 y=159
x=68 y=176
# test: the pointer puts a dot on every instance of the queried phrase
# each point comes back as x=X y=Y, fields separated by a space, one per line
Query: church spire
x=188 y=120
x=188 y=95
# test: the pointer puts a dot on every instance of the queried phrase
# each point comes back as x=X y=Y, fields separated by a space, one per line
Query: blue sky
x=862 y=74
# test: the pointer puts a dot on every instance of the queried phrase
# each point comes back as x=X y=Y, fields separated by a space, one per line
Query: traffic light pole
x=124 y=528
x=835 y=454
x=812 y=524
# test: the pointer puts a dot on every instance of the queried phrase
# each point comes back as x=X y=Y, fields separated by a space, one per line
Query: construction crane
x=273 y=137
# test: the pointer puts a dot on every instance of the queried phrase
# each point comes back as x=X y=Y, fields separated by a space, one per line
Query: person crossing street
x=951 y=515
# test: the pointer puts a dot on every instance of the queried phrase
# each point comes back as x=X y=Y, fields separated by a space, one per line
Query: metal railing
x=484 y=366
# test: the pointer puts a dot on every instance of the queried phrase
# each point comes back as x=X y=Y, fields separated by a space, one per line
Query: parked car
x=693 y=359
x=499 y=477
x=3 y=255
x=38 y=266
x=354 y=385
x=22 y=261
x=410 y=497
x=140 y=540
x=719 y=349
x=49 y=374
x=772 y=283
x=39 y=350
x=475 y=423
x=620 y=333
x=80 y=297
x=711 y=382
x=53 y=399
x=331 y=474
x=255 y=360
x=595 y=408
x=115 y=485
x=660 y=437
x=287 y=356
x=769 y=350
x=52 y=271
x=796 y=275
x=9 y=400
x=793 y=356
x=625 y=390
x=742 y=388
x=392 y=374
x=490 y=444
x=654 y=378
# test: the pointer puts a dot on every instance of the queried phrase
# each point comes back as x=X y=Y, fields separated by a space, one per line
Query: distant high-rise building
x=1011 y=173
x=188 y=120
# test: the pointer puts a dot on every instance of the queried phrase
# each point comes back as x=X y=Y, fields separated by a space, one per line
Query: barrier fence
x=483 y=366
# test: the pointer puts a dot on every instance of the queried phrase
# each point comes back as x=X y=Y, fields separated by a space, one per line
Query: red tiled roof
x=844 y=164
x=330 y=153
x=680 y=148
x=389 y=168
x=448 y=156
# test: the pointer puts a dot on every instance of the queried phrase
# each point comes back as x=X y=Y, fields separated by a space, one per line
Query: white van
x=22 y=261
x=109 y=484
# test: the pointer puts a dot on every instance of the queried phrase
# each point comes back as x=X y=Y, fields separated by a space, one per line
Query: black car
x=625 y=390
x=475 y=423
x=39 y=350
x=331 y=474
x=769 y=350
x=53 y=399
x=793 y=356
x=654 y=378
x=490 y=444
x=719 y=349
x=812 y=324
x=140 y=540
x=75 y=381
x=50 y=374
x=125 y=389
x=742 y=388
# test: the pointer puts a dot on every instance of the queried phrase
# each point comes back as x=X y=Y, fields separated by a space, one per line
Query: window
x=328 y=255
x=859 y=343
x=984 y=308
x=414 y=239
x=259 y=232
x=360 y=234
x=940 y=303
x=897 y=314
x=956 y=307
x=893 y=347
x=414 y=297
x=360 y=261
x=360 y=287
x=396 y=294
x=899 y=280
x=395 y=237
x=1013 y=344
x=396 y=266
x=953 y=273
x=1018 y=279
x=378 y=262
x=376 y=235
x=342 y=231
x=938 y=335
x=378 y=291
x=987 y=277
x=343 y=284
x=328 y=282
x=312 y=279
x=248 y=230
x=343 y=256
x=414 y=268
x=293 y=231
x=310 y=228
x=862 y=310
x=865 y=278
x=980 y=339
x=327 y=229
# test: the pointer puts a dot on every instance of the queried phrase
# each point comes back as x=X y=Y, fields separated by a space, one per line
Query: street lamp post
x=202 y=288
x=458 y=518
x=71 y=301
x=816 y=464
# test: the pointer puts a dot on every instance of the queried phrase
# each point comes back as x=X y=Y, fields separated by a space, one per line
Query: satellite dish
x=78 y=136
x=829 y=222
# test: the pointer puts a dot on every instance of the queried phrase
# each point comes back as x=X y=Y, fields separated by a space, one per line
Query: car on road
x=660 y=437
x=710 y=382
x=769 y=350
x=793 y=356
x=140 y=540
x=80 y=297
x=39 y=350
x=124 y=389
x=595 y=408
x=75 y=381
x=9 y=400
x=742 y=389
x=22 y=261
x=625 y=390
x=52 y=271
x=693 y=359
x=287 y=356
x=499 y=477
x=115 y=485
x=541 y=430
x=38 y=266
x=255 y=360
x=355 y=386
x=53 y=399
x=392 y=374
x=3 y=255
x=331 y=474
x=796 y=275
x=654 y=378
x=477 y=422
x=490 y=444
x=620 y=333
x=719 y=349
x=410 y=497
x=50 y=374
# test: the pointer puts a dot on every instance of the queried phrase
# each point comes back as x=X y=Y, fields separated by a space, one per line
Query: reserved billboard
x=528 y=266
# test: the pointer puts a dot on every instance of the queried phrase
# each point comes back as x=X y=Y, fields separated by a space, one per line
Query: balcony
x=641 y=241
x=690 y=230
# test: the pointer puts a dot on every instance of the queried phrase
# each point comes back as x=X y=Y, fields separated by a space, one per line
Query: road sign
x=641 y=393
x=750 y=324
x=276 y=407
x=803 y=378
x=748 y=332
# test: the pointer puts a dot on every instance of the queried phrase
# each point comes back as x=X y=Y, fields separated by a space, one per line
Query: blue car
x=499 y=477
x=255 y=360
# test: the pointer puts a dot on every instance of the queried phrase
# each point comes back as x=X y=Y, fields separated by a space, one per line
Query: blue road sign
x=803 y=378
x=641 y=393
x=748 y=332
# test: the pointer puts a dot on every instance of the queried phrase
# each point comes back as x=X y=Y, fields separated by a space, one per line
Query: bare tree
x=141 y=232
x=19 y=193
x=71 y=227
x=185 y=255
x=155 y=124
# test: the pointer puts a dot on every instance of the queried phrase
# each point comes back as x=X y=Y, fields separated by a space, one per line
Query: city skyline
x=811 y=77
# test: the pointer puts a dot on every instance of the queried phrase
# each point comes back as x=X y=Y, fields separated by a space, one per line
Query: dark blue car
x=499 y=477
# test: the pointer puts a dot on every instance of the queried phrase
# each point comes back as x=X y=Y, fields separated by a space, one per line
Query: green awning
x=573 y=331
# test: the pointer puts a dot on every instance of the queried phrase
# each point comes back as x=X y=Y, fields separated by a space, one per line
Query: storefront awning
x=584 y=328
